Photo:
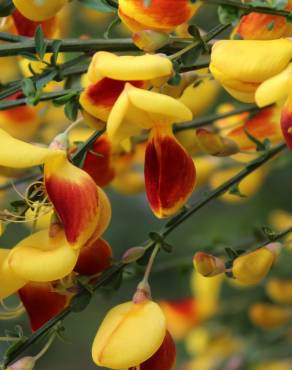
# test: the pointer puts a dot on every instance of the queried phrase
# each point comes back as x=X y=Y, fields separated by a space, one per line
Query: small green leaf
x=64 y=99
x=234 y=190
x=231 y=253
x=29 y=56
x=72 y=108
x=80 y=301
x=55 y=51
x=156 y=237
x=260 y=146
x=40 y=42
x=269 y=232
x=28 y=87
x=228 y=14
x=115 y=22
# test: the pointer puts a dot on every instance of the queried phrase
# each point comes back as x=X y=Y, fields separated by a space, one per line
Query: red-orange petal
x=263 y=125
x=163 y=359
x=26 y=27
x=41 y=302
x=256 y=26
x=286 y=122
x=98 y=162
x=169 y=173
x=94 y=258
x=75 y=197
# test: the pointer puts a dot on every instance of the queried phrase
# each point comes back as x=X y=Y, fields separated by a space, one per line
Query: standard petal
x=10 y=282
x=74 y=195
x=42 y=258
x=125 y=326
x=41 y=302
x=169 y=174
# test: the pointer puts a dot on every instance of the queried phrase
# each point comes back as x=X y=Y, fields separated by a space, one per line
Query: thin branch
x=246 y=7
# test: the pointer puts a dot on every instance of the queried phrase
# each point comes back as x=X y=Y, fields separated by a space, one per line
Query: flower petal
x=286 y=122
x=18 y=154
x=37 y=11
x=42 y=258
x=41 y=302
x=26 y=27
x=94 y=258
x=10 y=282
x=159 y=15
x=275 y=88
x=125 y=326
x=246 y=60
x=169 y=174
x=128 y=67
x=74 y=195
x=163 y=358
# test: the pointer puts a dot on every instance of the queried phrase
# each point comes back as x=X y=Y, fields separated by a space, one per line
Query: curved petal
x=155 y=103
x=41 y=302
x=18 y=154
x=275 y=88
x=286 y=121
x=246 y=60
x=169 y=174
x=75 y=197
x=125 y=326
x=10 y=282
x=42 y=258
x=128 y=68
x=26 y=27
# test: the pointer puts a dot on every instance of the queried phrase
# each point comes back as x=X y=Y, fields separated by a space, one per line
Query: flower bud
x=150 y=41
x=133 y=254
x=269 y=316
x=208 y=265
x=251 y=268
x=213 y=144
x=280 y=290
x=25 y=363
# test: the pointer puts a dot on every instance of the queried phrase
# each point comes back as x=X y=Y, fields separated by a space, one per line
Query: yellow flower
x=280 y=290
x=108 y=74
x=129 y=335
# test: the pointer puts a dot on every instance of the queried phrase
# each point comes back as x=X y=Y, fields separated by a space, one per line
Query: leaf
x=29 y=56
x=99 y=5
x=156 y=237
x=6 y=7
x=228 y=14
x=72 y=108
x=46 y=78
x=55 y=51
x=64 y=99
x=28 y=87
x=260 y=146
x=231 y=253
x=269 y=232
x=80 y=301
x=40 y=42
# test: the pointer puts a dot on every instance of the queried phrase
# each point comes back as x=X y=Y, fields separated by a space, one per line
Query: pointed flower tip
x=169 y=175
x=115 y=345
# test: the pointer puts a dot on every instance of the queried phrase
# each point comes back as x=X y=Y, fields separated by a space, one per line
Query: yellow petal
x=275 y=88
x=42 y=258
x=280 y=290
x=129 y=334
x=247 y=59
x=128 y=68
x=159 y=104
x=10 y=282
x=18 y=154
x=39 y=10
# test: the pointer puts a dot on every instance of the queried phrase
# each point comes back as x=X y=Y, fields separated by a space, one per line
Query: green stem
x=249 y=8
